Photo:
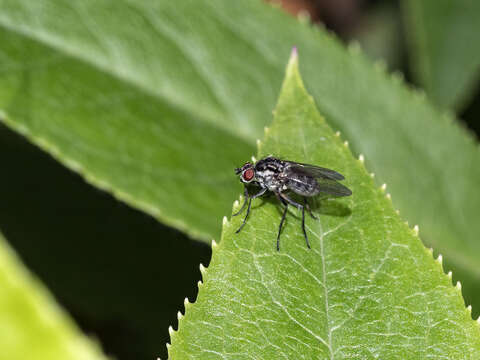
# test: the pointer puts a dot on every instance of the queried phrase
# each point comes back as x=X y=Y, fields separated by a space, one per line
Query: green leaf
x=444 y=48
x=31 y=323
x=87 y=249
x=367 y=289
x=158 y=101
x=119 y=125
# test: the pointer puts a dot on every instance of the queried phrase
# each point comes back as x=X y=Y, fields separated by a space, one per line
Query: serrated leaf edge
x=52 y=150
x=361 y=159
x=236 y=204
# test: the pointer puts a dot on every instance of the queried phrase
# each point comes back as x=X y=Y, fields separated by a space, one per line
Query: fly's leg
x=246 y=216
x=303 y=227
x=244 y=202
x=260 y=193
x=290 y=201
x=280 y=226
x=309 y=209
x=299 y=207
x=281 y=221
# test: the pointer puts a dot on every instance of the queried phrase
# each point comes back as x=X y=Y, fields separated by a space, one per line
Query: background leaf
x=31 y=322
x=116 y=89
x=367 y=288
x=107 y=264
x=120 y=135
x=444 y=48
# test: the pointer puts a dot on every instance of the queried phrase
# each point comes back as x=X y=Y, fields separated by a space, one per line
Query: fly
x=283 y=177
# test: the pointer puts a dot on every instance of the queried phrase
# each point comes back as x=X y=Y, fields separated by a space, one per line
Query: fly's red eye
x=248 y=174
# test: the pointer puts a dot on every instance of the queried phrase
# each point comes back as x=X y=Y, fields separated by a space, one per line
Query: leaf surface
x=444 y=47
x=31 y=322
x=367 y=289
x=138 y=98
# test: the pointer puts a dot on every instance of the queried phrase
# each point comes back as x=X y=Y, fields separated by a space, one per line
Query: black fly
x=280 y=176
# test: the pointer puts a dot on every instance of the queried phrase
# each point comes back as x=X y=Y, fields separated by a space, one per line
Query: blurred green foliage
x=108 y=264
x=444 y=50
x=157 y=102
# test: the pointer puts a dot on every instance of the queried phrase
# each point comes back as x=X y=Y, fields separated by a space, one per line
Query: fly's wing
x=315 y=171
x=309 y=180
x=332 y=187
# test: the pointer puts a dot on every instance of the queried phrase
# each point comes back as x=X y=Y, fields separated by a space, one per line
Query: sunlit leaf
x=31 y=323
x=368 y=288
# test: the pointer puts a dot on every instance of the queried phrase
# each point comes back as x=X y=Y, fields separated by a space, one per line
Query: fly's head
x=246 y=173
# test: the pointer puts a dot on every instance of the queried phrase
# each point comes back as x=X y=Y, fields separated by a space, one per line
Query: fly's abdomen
x=302 y=184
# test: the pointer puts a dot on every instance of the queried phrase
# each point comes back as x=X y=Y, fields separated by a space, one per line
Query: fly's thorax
x=269 y=173
x=270 y=179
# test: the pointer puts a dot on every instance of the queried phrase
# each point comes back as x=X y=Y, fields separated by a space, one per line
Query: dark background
x=118 y=272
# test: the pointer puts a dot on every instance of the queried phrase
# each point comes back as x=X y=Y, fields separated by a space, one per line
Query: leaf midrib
x=324 y=276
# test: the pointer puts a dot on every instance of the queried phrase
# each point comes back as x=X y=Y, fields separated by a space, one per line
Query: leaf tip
x=469 y=308
x=384 y=187
x=416 y=229
x=388 y=196
x=179 y=315
x=202 y=269
x=440 y=259
x=235 y=204
x=225 y=221
x=361 y=158
x=259 y=143
x=200 y=283
x=337 y=134
x=372 y=175
x=214 y=244
x=266 y=129
x=345 y=143
x=478 y=320
x=185 y=303
x=459 y=286
x=294 y=52
x=450 y=275
x=292 y=66
x=171 y=331
x=397 y=212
